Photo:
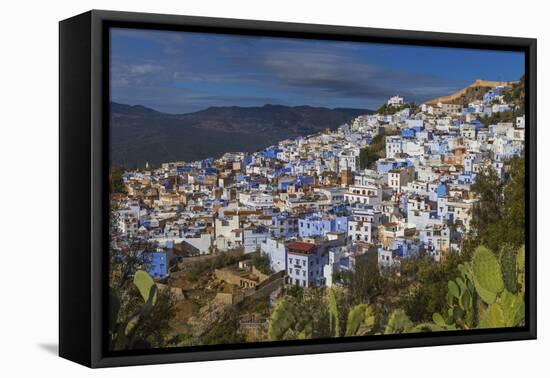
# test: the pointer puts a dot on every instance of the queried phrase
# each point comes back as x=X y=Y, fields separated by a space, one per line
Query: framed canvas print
x=233 y=188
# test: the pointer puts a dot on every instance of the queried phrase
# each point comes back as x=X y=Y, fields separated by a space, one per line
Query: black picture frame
x=84 y=193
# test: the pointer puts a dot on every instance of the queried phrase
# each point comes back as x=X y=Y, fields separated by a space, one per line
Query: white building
x=347 y=159
x=395 y=101
x=367 y=195
x=228 y=233
x=201 y=242
x=386 y=259
x=276 y=251
x=128 y=224
x=398 y=178
x=421 y=212
x=437 y=240
x=305 y=264
x=520 y=122
x=468 y=131
x=394 y=146
x=335 y=257
x=260 y=200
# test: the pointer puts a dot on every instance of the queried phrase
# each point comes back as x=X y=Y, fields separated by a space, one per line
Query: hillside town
x=394 y=184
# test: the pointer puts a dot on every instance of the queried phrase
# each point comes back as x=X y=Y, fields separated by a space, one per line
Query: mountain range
x=140 y=134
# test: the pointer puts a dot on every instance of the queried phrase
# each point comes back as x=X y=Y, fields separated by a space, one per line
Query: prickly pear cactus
x=360 y=320
x=492 y=317
x=398 y=322
x=283 y=320
x=453 y=289
x=487 y=274
x=334 y=314
x=123 y=333
x=461 y=301
x=513 y=308
x=305 y=333
x=428 y=327
x=520 y=268
x=438 y=319
x=508 y=265
x=146 y=286
x=502 y=292
x=489 y=279
x=439 y=324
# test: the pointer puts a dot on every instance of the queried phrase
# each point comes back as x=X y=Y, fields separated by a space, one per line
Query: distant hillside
x=472 y=92
x=140 y=134
x=135 y=110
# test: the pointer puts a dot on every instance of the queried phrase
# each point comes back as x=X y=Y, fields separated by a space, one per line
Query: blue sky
x=181 y=72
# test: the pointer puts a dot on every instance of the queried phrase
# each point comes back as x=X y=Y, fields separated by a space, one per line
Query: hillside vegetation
x=392 y=109
x=515 y=95
x=374 y=151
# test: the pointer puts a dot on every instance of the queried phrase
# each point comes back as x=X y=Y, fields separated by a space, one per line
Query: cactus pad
x=453 y=289
x=360 y=320
x=398 y=322
x=145 y=284
x=487 y=272
x=492 y=317
x=513 y=308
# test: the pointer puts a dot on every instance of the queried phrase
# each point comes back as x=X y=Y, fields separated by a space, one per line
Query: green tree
x=513 y=221
x=498 y=217
x=115 y=179
x=302 y=316
x=365 y=283
x=505 y=116
x=261 y=262
x=488 y=208
x=425 y=284
x=391 y=109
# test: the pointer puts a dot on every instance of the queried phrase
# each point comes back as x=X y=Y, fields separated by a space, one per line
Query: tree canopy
x=498 y=217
